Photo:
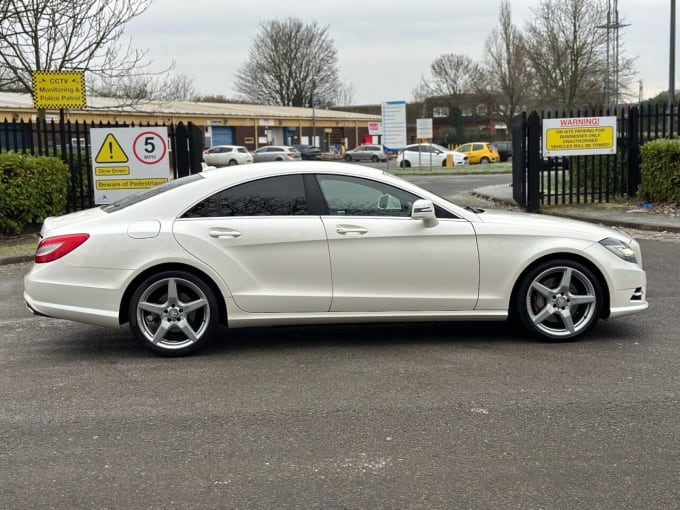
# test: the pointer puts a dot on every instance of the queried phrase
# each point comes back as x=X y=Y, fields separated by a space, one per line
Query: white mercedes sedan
x=322 y=242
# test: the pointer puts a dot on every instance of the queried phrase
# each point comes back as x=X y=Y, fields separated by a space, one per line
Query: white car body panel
x=263 y=259
x=390 y=264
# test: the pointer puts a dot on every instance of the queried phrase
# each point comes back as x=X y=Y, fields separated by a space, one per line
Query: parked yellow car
x=479 y=152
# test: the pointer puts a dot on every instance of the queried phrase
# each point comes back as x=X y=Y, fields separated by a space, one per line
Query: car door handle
x=224 y=233
x=350 y=229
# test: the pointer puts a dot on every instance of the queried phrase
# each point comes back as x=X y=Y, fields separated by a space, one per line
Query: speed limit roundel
x=149 y=147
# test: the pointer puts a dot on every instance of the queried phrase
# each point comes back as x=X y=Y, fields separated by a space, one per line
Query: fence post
x=533 y=162
x=182 y=168
x=634 y=176
x=519 y=159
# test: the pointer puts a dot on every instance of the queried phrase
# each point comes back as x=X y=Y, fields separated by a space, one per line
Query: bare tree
x=507 y=72
x=566 y=45
x=57 y=35
x=290 y=64
x=344 y=95
x=451 y=75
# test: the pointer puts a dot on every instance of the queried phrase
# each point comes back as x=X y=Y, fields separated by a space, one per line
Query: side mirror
x=423 y=210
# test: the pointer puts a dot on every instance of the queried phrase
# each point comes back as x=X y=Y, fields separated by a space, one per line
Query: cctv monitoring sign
x=125 y=160
x=59 y=89
x=579 y=136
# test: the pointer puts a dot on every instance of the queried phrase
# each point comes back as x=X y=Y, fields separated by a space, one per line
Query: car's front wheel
x=405 y=164
x=173 y=313
x=233 y=162
x=559 y=300
x=348 y=157
x=484 y=161
x=375 y=159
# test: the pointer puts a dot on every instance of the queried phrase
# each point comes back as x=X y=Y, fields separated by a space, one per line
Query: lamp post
x=671 y=63
x=313 y=114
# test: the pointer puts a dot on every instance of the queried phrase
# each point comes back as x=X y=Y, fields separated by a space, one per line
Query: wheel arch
x=604 y=310
x=129 y=291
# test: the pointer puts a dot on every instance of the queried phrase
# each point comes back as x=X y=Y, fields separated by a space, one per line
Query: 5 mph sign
x=125 y=160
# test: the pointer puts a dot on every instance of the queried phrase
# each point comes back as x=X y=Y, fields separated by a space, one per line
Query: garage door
x=222 y=135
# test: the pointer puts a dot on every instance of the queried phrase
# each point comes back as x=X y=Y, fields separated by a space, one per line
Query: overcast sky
x=384 y=46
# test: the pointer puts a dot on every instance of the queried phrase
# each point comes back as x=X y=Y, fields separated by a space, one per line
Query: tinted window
x=353 y=196
x=274 y=196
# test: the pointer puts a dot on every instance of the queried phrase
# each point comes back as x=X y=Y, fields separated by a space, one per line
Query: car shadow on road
x=89 y=342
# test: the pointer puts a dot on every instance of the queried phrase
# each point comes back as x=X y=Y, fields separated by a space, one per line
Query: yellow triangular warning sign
x=111 y=151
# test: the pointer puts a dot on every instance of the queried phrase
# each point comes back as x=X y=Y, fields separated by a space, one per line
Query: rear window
x=142 y=195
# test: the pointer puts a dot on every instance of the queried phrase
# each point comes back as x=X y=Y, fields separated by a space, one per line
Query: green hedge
x=660 y=171
x=31 y=189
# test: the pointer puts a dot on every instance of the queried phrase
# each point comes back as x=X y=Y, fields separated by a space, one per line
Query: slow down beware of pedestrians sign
x=125 y=160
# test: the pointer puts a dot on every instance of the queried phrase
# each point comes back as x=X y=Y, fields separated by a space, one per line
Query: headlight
x=620 y=249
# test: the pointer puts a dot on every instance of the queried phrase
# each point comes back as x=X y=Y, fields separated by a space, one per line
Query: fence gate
x=539 y=180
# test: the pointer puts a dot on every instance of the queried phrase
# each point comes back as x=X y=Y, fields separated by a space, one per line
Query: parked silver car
x=373 y=153
x=276 y=153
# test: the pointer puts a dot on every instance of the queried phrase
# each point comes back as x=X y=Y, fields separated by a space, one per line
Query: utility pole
x=671 y=63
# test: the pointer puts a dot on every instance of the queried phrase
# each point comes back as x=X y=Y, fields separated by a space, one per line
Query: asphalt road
x=459 y=415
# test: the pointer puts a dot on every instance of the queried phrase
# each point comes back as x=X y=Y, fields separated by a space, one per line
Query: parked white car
x=426 y=154
x=329 y=242
x=227 y=155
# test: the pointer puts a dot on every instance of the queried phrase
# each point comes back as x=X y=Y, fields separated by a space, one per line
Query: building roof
x=19 y=101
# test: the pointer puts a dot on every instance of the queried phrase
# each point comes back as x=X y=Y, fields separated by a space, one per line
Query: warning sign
x=111 y=151
x=579 y=136
x=140 y=155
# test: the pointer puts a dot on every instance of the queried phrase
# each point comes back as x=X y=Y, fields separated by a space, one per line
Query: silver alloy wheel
x=173 y=313
x=561 y=302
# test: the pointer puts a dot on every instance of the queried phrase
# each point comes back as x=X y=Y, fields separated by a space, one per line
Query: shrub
x=660 y=171
x=31 y=189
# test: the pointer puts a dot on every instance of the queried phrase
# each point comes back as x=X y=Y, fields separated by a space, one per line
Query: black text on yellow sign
x=129 y=183
x=558 y=139
x=112 y=170
x=59 y=89
x=111 y=151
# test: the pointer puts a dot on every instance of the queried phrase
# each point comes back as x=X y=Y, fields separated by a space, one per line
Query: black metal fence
x=69 y=141
x=539 y=180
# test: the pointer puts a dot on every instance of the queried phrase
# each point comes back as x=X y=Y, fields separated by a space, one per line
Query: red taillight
x=54 y=248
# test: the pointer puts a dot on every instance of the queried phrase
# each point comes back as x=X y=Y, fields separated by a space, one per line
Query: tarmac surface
x=644 y=217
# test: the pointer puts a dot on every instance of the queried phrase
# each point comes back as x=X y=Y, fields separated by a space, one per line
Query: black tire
x=405 y=164
x=279 y=159
x=173 y=313
x=348 y=157
x=484 y=161
x=233 y=162
x=375 y=159
x=559 y=300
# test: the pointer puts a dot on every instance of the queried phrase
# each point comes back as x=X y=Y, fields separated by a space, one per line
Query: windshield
x=142 y=195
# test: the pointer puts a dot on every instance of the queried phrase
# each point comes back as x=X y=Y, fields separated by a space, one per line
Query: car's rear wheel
x=405 y=164
x=559 y=300
x=173 y=313
x=484 y=161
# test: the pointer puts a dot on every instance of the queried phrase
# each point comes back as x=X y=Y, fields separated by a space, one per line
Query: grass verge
x=493 y=168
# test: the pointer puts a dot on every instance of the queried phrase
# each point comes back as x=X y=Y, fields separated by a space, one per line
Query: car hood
x=541 y=224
